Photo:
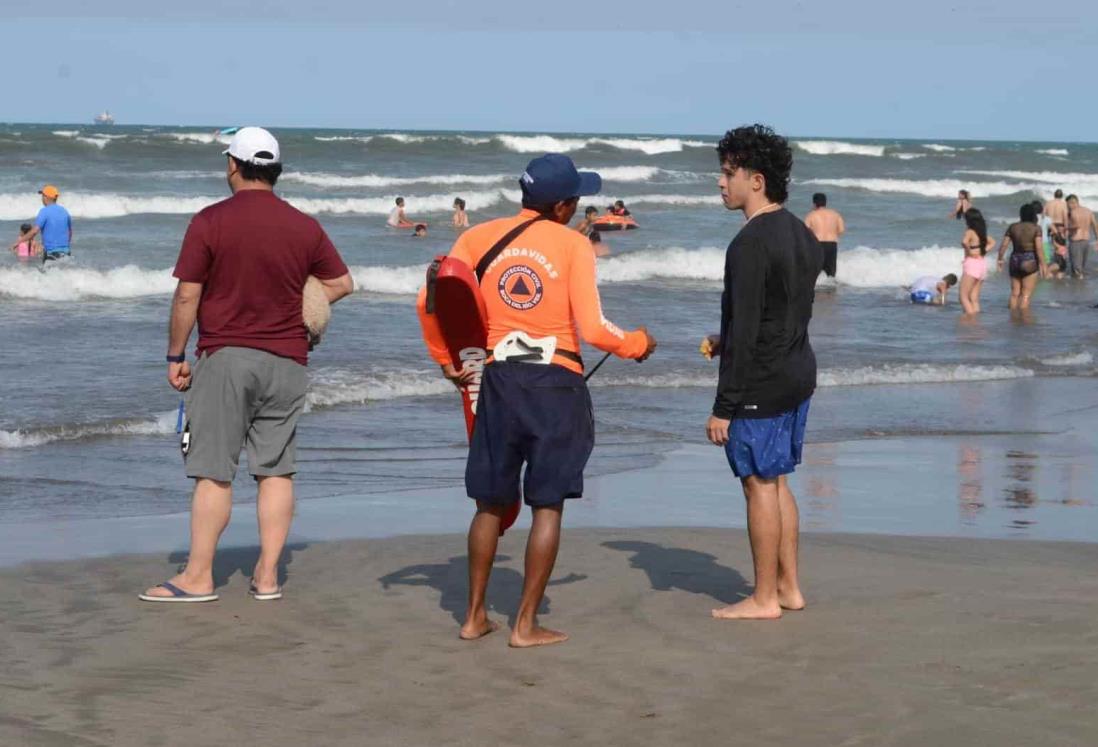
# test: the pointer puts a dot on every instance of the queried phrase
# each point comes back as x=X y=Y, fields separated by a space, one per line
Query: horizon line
x=215 y=128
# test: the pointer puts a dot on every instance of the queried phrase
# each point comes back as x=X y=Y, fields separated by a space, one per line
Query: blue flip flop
x=177 y=595
x=266 y=596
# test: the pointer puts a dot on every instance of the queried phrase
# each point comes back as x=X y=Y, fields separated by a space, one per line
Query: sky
x=963 y=69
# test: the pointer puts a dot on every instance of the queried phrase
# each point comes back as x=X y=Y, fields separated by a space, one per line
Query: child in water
x=931 y=290
x=461 y=218
x=590 y=215
x=619 y=209
x=419 y=231
x=25 y=248
x=397 y=218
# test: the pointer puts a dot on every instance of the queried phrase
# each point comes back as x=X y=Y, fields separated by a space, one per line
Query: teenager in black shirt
x=767 y=367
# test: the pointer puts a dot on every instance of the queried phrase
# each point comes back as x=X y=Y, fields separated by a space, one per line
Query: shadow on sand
x=450 y=580
x=688 y=570
x=233 y=559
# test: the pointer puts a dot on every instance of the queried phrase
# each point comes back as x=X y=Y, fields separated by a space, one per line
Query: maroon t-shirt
x=252 y=253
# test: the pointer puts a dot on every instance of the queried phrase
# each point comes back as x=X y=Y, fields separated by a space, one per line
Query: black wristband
x=176 y=358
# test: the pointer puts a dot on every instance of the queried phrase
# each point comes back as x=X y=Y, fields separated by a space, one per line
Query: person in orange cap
x=53 y=225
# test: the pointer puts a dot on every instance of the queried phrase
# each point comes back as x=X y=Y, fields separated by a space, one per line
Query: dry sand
x=907 y=641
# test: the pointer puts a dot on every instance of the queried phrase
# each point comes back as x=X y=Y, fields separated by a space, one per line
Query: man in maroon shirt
x=241 y=271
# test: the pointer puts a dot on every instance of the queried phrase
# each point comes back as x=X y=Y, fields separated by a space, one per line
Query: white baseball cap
x=254 y=145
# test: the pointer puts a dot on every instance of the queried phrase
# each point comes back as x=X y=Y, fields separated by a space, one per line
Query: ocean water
x=87 y=420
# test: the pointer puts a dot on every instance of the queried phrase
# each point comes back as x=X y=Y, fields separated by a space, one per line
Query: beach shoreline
x=951 y=465
x=992 y=637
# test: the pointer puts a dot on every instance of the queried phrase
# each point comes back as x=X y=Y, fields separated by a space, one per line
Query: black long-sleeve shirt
x=767 y=364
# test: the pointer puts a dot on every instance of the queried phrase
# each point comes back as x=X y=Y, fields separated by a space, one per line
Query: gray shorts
x=1078 y=252
x=242 y=397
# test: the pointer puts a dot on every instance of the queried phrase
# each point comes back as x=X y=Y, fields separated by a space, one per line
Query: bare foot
x=749 y=609
x=471 y=631
x=184 y=584
x=791 y=600
x=536 y=636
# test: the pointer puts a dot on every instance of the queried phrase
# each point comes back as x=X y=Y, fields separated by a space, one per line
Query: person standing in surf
x=242 y=272
x=537 y=278
x=53 y=225
x=963 y=204
x=1081 y=227
x=767 y=367
x=976 y=244
x=828 y=226
x=1027 y=257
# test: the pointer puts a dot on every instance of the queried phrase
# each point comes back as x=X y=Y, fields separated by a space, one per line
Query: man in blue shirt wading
x=53 y=223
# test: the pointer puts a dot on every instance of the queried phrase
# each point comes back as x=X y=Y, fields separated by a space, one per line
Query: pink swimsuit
x=975 y=267
x=23 y=251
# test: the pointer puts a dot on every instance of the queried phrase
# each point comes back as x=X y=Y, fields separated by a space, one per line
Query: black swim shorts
x=535 y=415
x=831 y=257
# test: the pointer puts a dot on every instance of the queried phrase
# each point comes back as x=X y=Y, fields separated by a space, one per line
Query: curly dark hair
x=758 y=148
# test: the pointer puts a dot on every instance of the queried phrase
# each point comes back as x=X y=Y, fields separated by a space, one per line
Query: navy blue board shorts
x=922 y=297
x=767 y=447
x=535 y=415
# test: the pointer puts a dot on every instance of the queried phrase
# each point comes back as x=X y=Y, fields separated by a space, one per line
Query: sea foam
x=331 y=387
x=861 y=267
x=939 y=188
x=322 y=179
x=78 y=283
x=556 y=144
x=20 y=206
x=838 y=148
x=200 y=138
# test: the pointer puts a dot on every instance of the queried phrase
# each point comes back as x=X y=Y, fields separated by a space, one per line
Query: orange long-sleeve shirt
x=542 y=284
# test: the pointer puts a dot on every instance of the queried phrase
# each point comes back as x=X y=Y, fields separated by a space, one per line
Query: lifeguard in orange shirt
x=534 y=409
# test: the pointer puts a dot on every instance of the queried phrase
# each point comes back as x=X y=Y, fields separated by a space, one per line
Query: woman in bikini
x=1027 y=257
x=976 y=244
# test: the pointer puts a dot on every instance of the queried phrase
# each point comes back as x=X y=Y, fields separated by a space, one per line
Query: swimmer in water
x=931 y=290
x=461 y=218
x=397 y=218
x=419 y=231
x=590 y=215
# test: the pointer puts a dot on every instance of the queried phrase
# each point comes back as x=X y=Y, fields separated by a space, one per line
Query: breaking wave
x=1069 y=359
x=938 y=188
x=321 y=179
x=918 y=373
x=201 y=138
x=838 y=148
x=862 y=267
x=866 y=267
x=152 y=426
x=555 y=144
x=20 y=206
x=332 y=387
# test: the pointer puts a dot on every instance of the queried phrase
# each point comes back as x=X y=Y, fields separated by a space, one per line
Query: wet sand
x=907 y=641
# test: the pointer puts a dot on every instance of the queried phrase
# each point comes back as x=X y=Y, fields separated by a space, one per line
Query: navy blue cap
x=553 y=177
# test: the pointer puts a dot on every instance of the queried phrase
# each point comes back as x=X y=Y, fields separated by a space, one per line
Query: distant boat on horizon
x=105 y=118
